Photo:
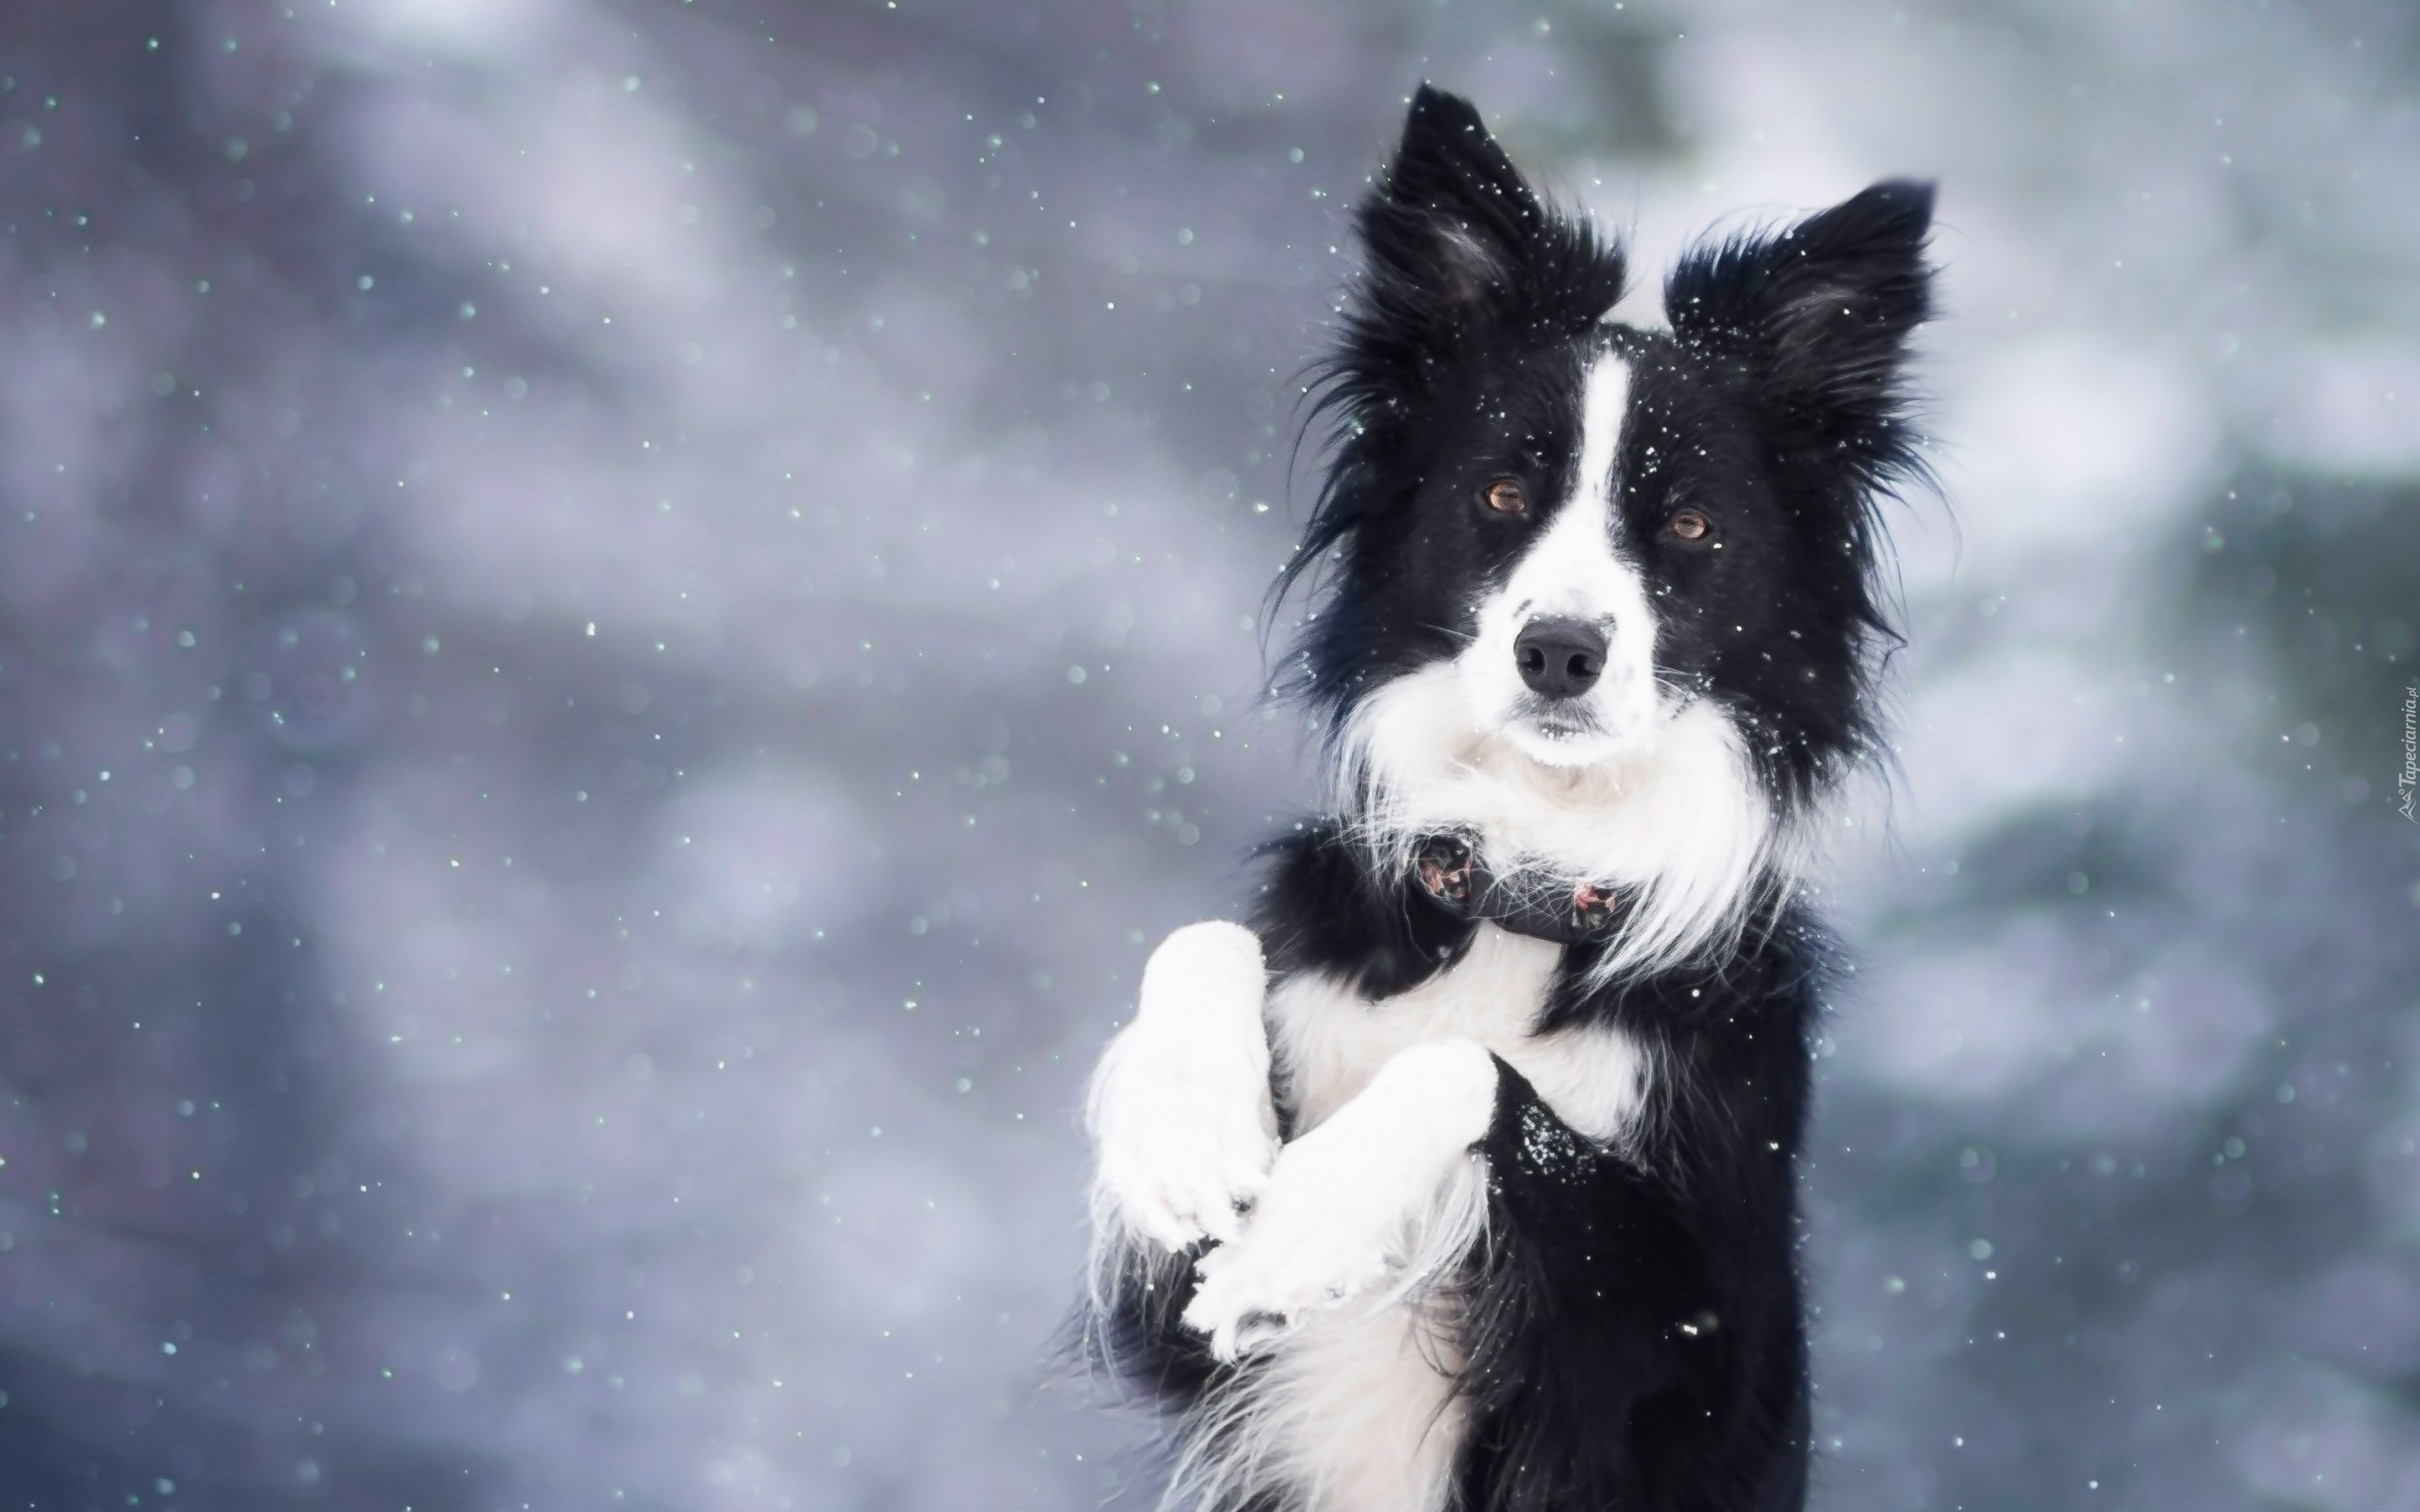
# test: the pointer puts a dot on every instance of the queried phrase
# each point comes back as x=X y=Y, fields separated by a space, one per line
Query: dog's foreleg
x=1179 y=1114
x=1390 y=1183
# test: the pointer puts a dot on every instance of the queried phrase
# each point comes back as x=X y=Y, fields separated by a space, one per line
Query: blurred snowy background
x=619 y=617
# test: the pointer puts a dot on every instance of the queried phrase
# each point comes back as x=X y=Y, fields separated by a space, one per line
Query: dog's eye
x=1689 y=525
x=1504 y=495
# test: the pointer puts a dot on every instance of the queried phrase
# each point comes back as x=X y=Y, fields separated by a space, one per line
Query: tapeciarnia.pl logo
x=2407 y=781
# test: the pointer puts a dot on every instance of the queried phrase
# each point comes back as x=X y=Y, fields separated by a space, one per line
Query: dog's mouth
x=1557 y=721
x=1581 y=731
x=1559 y=735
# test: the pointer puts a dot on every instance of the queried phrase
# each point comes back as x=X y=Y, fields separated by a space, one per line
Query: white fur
x=1680 y=819
x=1350 y=1405
x=1354 y=1411
x=1574 y=570
x=1183 y=1128
x=1330 y=1041
x=1349 y=1201
x=1604 y=411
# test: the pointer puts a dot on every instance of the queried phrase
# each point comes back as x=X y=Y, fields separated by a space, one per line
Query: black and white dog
x=1465 y=1177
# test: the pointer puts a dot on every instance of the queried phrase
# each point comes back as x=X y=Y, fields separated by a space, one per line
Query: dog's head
x=1605 y=595
x=1567 y=534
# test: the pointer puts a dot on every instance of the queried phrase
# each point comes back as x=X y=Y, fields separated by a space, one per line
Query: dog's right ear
x=1450 y=218
x=1458 y=246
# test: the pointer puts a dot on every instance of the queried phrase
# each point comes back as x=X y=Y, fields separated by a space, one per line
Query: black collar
x=1448 y=871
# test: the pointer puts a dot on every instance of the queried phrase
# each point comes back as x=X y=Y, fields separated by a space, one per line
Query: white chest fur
x=1355 y=1412
x=1328 y=1041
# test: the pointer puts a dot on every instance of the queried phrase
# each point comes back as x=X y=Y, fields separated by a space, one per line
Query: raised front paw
x=1182 y=1127
x=1387 y=1189
x=1304 y=1248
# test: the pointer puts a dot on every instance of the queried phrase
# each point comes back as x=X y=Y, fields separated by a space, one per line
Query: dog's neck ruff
x=1448 y=871
x=1681 y=826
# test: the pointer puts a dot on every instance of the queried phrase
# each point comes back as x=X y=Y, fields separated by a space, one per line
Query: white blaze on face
x=1574 y=570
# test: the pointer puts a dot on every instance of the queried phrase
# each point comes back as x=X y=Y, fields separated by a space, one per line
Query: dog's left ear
x=1822 y=313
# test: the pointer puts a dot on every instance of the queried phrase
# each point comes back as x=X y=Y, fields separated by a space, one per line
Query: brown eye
x=1505 y=497
x=1689 y=525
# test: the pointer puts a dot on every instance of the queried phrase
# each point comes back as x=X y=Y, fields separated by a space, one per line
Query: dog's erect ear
x=1450 y=216
x=1822 y=312
x=1458 y=244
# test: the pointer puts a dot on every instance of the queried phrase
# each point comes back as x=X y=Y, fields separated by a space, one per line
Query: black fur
x=1632 y=1328
x=1776 y=403
x=1468 y=316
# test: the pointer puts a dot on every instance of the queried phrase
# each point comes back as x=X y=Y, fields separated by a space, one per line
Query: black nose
x=1560 y=658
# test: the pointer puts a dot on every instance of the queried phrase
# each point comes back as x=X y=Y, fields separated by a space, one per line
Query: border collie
x=1465 y=1177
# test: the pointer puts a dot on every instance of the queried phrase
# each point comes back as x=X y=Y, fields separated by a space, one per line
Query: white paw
x=1357 y=1198
x=1182 y=1127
